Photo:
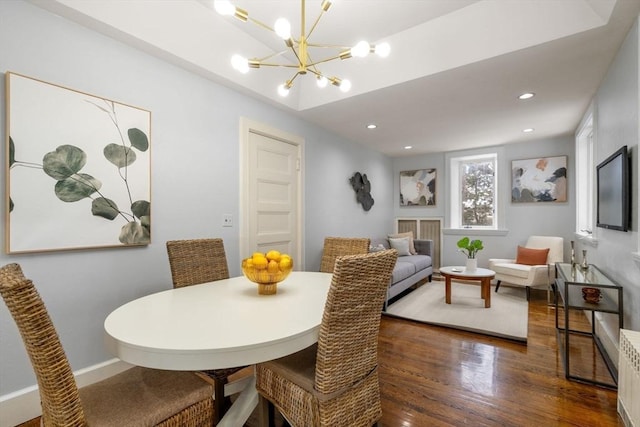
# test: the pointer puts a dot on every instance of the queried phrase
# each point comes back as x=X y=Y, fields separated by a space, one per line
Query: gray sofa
x=409 y=269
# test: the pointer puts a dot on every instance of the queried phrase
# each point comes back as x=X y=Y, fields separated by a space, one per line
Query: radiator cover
x=629 y=378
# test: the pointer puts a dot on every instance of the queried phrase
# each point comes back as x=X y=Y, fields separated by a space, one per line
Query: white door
x=271 y=192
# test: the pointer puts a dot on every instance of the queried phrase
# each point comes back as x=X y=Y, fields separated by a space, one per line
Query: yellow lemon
x=248 y=263
x=285 y=263
x=273 y=255
x=257 y=254
x=272 y=267
x=260 y=262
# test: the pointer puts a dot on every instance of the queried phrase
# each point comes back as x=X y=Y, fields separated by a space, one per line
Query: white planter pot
x=472 y=264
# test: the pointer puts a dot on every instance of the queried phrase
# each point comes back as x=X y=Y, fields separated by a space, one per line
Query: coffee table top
x=461 y=272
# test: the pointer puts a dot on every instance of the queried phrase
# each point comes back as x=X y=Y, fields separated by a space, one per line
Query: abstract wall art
x=418 y=187
x=78 y=169
x=542 y=179
x=361 y=185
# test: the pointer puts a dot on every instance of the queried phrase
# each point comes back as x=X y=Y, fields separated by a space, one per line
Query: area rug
x=506 y=318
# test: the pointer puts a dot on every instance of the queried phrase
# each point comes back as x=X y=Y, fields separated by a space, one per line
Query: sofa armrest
x=423 y=246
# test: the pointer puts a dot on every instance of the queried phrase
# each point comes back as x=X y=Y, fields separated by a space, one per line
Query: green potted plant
x=470 y=248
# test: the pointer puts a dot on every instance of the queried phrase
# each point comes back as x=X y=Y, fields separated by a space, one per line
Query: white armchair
x=508 y=271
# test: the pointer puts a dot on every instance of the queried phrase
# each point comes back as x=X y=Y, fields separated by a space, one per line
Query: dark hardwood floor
x=434 y=376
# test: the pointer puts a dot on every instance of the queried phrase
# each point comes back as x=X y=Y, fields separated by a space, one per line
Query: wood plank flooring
x=434 y=376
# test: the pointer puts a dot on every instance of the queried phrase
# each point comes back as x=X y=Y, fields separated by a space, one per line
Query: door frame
x=248 y=126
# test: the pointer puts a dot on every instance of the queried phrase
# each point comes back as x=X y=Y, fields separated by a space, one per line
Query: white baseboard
x=24 y=405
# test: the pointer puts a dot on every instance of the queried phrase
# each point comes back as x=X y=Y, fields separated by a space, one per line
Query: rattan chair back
x=197 y=261
x=348 y=339
x=57 y=386
x=62 y=401
x=335 y=383
x=340 y=246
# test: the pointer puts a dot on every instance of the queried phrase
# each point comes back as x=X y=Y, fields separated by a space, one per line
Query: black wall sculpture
x=362 y=187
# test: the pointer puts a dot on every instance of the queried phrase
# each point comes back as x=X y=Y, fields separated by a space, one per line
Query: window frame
x=453 y=214
x=585 y=165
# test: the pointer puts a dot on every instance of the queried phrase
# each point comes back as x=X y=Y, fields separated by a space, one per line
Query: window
x=584 y=178
x=478 y=188
x=474 y=195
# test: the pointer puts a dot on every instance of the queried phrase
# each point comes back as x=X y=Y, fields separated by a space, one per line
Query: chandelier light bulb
x=282 y=27
x=326 y=5
x=322 y=81
x=345 y=85
x=361 y=49
x=382 y=50
x=240 y=63
x=224 y=7
x=283 y=90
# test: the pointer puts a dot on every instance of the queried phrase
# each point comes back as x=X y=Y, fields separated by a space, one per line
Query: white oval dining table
x=220 y=324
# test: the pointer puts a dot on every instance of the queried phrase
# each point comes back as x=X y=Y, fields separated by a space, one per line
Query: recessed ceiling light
x=408 y=147
x=527 y=130
x=372 y=126
x=527 y=95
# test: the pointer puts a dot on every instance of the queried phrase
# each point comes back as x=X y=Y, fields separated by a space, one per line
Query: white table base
x=243 y=406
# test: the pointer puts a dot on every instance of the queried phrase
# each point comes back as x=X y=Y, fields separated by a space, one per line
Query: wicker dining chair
x=137 y=396
x=335 y=382
x=339 y=246
x=197 y=261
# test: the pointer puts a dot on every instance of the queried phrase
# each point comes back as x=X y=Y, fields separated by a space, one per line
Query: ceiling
x=451 y=81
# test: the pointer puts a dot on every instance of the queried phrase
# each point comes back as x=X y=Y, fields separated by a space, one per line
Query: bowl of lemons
x=267 y=269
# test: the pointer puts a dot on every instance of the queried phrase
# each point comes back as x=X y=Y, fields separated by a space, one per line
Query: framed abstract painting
x=418 y=187
x=542 y=179
x=78 y=169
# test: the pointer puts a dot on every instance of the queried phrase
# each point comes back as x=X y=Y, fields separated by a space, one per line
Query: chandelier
x=301 y=48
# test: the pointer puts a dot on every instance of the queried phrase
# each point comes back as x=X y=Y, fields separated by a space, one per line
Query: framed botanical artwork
x=542 y=179
x=418 y=187
x=78 y=170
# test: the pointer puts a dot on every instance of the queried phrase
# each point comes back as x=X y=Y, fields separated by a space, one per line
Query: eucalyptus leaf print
x=90 y=163
x=66 y=161
x=141 y=208
x=138 y=139
x=76 y=187
x=105 y=208
x=134 y=233
x=119 y=155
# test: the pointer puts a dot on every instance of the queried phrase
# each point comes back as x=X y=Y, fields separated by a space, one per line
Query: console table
x=569 y=283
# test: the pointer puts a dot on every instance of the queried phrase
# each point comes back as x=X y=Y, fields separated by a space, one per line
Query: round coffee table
x=483 y=275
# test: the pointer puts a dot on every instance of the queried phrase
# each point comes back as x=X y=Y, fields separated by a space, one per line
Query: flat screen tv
x=614 y=191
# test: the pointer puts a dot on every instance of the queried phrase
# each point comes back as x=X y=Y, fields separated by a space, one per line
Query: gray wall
x=195 y=178
x=616 y=121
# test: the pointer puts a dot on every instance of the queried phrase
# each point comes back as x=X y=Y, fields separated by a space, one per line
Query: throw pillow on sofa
x=408 y=234
x=401 y=245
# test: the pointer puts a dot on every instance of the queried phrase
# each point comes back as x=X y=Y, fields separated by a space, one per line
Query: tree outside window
x=477 y=193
